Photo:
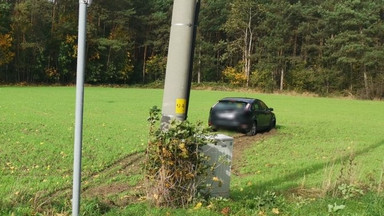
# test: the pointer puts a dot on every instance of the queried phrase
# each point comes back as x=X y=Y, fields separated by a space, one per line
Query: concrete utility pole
x=179 y=64
x=79 y=105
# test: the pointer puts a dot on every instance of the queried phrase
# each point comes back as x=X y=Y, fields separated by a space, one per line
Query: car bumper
x=230 y=124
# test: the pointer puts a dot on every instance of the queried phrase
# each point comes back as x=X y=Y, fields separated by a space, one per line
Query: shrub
x=262 y=79
x=234 y=76
x=174 y=163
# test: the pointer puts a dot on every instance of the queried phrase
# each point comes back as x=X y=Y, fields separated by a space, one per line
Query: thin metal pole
x=177 y=77
x=79 y=108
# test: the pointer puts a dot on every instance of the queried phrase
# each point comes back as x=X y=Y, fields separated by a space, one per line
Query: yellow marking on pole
x=181 y=106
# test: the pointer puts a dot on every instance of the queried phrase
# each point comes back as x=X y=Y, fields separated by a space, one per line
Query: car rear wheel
x=253 y=130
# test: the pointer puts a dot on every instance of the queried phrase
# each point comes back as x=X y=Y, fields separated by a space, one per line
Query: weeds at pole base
x=175 y=167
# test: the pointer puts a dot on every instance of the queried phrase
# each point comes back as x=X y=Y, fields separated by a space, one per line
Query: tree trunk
x=327 y=84
x=6 y=73
x=245 y=54
x=281 y=62
x=53 y=17
x=295 y=44
x=144 y=61
x=199 y=67
x=305 y=55
x=282 y=79
x=248 y=46
x=366 y=86
x=218 y=72
x=249 y=58
x=109 y=56
x=351 y=80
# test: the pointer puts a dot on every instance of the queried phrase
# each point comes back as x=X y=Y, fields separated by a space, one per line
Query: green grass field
x=319 y=142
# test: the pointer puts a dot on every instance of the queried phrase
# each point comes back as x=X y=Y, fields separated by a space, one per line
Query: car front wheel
x=253 y=130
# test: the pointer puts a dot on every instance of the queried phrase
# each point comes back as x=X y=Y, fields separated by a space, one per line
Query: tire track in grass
x=129 y=163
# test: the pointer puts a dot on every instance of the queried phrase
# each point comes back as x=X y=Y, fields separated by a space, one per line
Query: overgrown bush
x=234 y=76
x=174 y=163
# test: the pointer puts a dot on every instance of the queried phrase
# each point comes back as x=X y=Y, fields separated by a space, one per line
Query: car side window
x=255 y=106
x=263 y=106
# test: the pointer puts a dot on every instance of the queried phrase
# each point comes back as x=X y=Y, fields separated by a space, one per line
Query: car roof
x=239 y=99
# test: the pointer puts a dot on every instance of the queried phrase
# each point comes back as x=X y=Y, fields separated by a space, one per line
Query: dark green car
x=247 y=115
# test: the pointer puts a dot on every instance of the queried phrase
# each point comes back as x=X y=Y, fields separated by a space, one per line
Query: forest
x=319 y=46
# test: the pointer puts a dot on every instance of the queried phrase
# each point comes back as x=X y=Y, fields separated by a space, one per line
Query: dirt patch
x=116 y=194
x=105 y=190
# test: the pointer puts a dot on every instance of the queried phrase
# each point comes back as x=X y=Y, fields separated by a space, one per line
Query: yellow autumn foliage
x=6 y=54
x=234 y=77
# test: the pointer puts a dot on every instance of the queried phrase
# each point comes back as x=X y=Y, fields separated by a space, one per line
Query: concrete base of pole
x=220 y=156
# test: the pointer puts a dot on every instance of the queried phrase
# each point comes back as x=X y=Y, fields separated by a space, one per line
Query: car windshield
x=230 y=105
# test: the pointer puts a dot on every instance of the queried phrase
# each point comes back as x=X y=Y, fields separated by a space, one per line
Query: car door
x=263 y=114
x=259 y=114
x=255 y=112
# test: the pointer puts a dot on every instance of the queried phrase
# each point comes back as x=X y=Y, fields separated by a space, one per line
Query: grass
x=319 y=143
x=316 y=133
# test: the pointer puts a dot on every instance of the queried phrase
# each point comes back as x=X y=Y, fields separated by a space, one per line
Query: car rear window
x=230 y=105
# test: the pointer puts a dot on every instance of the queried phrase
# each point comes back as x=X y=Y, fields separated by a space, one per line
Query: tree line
x=320 y=46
